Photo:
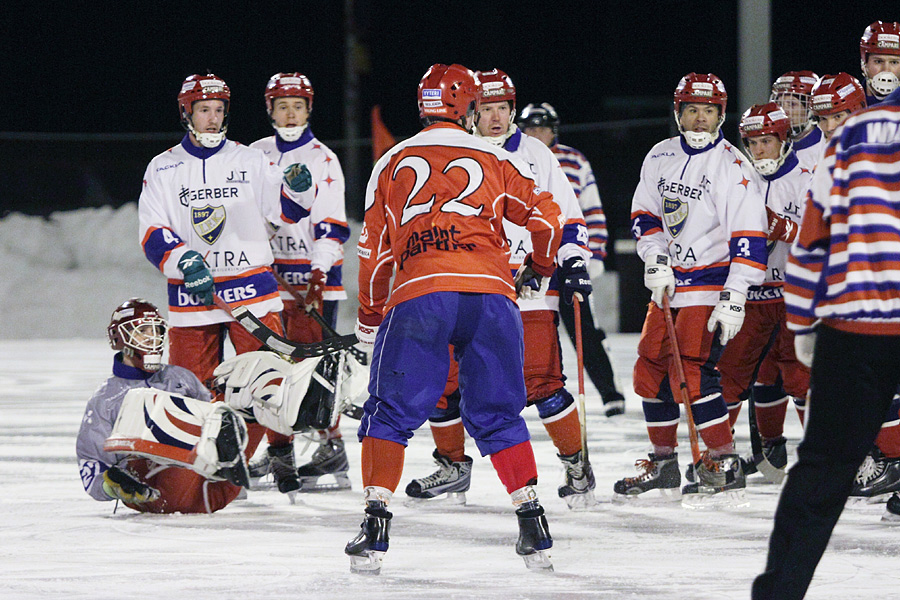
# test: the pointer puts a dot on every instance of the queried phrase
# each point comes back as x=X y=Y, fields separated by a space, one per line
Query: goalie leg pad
x=220 y=451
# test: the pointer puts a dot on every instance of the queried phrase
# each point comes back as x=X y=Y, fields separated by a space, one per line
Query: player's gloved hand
x=530 y=283
x=118 y=484
x=804 y=346
x=315 y=288
x=659 y=277
x=728 y=315
x=366 y=335
x=780 y=228
x=197 y=278
x=596 y=268
x=575 y=279
x=298 y=178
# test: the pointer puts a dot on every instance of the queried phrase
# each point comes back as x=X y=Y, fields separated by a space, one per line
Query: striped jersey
x=435 y=205
x=316 y=241
x=580 y=175
x=845 y=265
x=702 y=208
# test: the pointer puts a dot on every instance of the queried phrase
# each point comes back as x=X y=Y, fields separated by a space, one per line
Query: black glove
x=574 y=279
x=119 y=484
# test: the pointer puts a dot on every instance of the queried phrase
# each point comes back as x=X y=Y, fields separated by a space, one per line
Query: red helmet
x=288 y=85
x=202 y=87
x=766 y=119
x=797 y=85
x=496 y=86
x=448 y=92
x=139 y=331
x=836 y=93
x=702 y=89
x=879 y=38
x=794 y=82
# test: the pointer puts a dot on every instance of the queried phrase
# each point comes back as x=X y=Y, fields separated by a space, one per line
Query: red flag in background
x=382 y=140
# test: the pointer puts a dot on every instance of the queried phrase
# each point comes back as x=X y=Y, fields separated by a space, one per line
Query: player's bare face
x=828 y=123
x=764 y=146
x=878 y=63
x=290 y=112
x=699 y=118
x=545 y=134
x=207 y=116
x=493 y=118
x=793 y=107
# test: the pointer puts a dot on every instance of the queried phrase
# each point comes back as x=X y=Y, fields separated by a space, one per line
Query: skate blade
x=579 y=502
x=311 y=484
x=866 y=501
x=366 y=564
x=443 y=500
x=771 y=473
x=538 y=561
x=729 y=499
x=665 y=496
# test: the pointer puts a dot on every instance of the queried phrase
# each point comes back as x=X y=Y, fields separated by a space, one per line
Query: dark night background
x=115 y=68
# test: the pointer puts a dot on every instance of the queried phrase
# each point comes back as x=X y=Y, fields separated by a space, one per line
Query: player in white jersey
x=544 y=380
x=879 y=59
x=793 y=93
x=308 y=255
x=542 y=122
x=700 y=223
x=202 y=214
x=765 y=130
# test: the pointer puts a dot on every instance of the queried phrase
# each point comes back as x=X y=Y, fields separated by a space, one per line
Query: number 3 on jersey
x=422 y=171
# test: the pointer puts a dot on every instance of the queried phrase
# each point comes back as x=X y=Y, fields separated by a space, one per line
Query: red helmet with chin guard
x=139 y=331
x=202 y=87
x=288 y=85
x=836 y=93
x=448 y=92
x=701 y=89
x=765 y=119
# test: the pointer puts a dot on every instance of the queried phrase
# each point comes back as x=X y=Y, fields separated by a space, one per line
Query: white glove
x=728 y=315
x=366 y=335
x=595 y=268
x=804 y=345
x=659 y=278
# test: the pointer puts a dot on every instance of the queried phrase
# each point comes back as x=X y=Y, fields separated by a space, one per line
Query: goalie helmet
x=288 y=85
x=139 y=331
x=699 y=88
x=880 y=38
x=448 y=92
x=539 y=116
x=203 y=87
x=796 y=86
x=836 y=93
x=766 y=119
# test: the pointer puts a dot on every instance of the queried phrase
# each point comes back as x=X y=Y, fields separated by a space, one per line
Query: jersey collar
x=692 y=151
x=284 y=146
x=512 y=142
x=810 y=139
x=124 y=371
x=201 y=152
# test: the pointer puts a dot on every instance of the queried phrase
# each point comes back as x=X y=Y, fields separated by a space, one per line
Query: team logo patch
x=675 y=212
x=208 y=222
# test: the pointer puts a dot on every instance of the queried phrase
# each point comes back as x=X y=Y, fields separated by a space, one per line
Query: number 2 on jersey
x=422 y=171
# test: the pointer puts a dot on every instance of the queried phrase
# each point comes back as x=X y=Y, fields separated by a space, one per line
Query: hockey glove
x=780 y=228
x=575 y=279
x=298 y=178
x=728 y=315
x=366 y=335
x=804 y=346
x=531 y=285
x=117 y=484
x=315 y=288
x=197 y=278
x=659 y=277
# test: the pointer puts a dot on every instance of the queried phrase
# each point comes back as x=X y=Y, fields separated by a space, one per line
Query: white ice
x=56 y=542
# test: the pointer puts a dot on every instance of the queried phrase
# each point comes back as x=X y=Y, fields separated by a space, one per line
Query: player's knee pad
x=708 y=408
x=555 y=404
x=769 y=394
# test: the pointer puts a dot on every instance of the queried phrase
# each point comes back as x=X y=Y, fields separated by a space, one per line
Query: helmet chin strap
x=498 y=140
x=290 y=134
x=207 y=140
x=883 y=84
x=699 y=139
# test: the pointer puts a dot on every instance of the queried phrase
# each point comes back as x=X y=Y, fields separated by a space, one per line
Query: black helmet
x=539 y=116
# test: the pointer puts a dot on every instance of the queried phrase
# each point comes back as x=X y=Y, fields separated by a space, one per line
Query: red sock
x=770 y=419
x=382 y=463
x=565 y=433
x=733 y=411
x=450 y=440
x=515 y=466
x=888 y=440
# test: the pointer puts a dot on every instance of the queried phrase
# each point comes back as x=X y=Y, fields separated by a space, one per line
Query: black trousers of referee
x=596 y=362
x=854 y=377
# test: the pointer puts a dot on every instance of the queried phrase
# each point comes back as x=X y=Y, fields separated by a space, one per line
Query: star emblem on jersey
x=208 y=222
x=744 y=181
x=675 y=212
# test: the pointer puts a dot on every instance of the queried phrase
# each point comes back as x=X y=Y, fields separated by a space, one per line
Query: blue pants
x=410 y=366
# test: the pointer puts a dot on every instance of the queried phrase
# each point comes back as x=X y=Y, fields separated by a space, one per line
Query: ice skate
x=451 y=478
x=720 y=483
x=876 y=478
x=279 y=462
x=230 y=442
x=657 y=474
x=578 y=489
x=615 y=406
x=771 y=464
x=329 y=459
x=534 y=536
x=366 y=550
x=892 y=510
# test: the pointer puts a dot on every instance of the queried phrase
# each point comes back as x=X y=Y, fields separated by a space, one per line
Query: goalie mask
x=288 y=85
x=448 y=93
x=698 y=88
x=139 y=331
x=203 y=87
x=793 y=93
x=880 y=38
x=766 y=119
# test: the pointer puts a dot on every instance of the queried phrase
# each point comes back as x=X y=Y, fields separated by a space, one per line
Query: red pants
x=781 y=358
x=743 y=353
x=298 y=325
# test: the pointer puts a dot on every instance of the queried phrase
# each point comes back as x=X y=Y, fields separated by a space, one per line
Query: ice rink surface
x=56 y=542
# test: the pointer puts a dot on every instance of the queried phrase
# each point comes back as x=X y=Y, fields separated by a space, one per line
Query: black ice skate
x=578 y=489
x=614 y=404
x=534 y=536
x=892 y=511
x=451 y=478
x=230 y=442
x=877 y=478
x=366 y=550
x=657 y=474
x=280 y=463
x=720 y=483
x=329 y=459
x=771 y=464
